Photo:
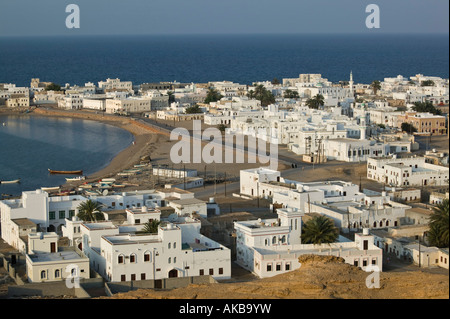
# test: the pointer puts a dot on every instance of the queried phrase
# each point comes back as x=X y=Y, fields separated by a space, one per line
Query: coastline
x=144 y=137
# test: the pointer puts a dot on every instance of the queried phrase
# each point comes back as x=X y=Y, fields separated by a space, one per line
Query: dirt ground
x=319 y=277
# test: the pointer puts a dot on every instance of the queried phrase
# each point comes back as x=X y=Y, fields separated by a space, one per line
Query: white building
x=128 y=105
x=115 y=85
x=71 y=102
x=176 y=250
x=410 y=171
x=353 y=150
x=45 y=262
x=272 y=247
x=47 y=213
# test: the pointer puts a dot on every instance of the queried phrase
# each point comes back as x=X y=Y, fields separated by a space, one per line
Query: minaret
x=350 y=83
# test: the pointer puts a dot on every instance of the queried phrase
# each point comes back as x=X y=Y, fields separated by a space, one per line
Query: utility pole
x=215 y=179
x=184 y=176
x=225 y=184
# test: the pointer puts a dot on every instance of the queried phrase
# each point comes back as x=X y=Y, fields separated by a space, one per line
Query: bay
x=30 y=145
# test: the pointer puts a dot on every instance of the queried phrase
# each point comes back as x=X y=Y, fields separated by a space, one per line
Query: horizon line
x=368 y=33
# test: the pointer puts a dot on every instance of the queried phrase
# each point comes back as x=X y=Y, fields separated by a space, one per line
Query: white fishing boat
x=74 y=179
x=50 y=189
x=10 y=182
x=108 y=180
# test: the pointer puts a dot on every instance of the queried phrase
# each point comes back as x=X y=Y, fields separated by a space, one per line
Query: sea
x=202 y=58
x=30 y=145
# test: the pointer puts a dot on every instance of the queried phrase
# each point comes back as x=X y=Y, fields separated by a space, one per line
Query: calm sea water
x=239 y=58
x=30 y=145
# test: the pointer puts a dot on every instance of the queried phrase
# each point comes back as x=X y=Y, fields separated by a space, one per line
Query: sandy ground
x=319 y=277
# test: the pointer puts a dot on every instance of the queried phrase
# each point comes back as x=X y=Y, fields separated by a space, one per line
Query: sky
x=120 y=17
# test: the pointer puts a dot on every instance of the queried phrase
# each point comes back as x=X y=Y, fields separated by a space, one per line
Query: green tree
x=408 y=128
x=439 y=225
x=290 y=94
x=53 y=87
x=427 y=83
x=262 y=94
x=171 y=97
x=316 y=102
x=90 y=211
x=195 y=109
x=221 y=127
x=376 y=85
x=426 y=107
x=275 y=81
x=319 y=230
x=212 y=96
x=151 y=226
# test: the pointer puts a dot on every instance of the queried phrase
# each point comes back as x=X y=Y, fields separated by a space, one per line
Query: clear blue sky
x=47 y=17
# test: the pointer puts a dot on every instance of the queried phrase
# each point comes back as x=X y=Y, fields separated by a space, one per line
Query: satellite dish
x=105 y=192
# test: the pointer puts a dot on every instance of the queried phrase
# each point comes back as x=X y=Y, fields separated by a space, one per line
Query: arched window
x=266 y=242
x=120 y=259
x=374 y=224
x=43 y=274
x=274 y=239
x=132 y=258
x=387 y=223
x=147 y=256
x=57 y=273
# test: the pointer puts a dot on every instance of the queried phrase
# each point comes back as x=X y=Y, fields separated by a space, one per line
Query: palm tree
x=151 y=226
x=319 y=230
x=376 y=85
x=212 y=96
x=315 y=102
x=439 y=225
x=90 y=211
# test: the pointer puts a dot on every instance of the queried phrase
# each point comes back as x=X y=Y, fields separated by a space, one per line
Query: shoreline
x=143 y=137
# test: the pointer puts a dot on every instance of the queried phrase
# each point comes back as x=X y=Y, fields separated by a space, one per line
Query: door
x=53 y=247
x=173 y=273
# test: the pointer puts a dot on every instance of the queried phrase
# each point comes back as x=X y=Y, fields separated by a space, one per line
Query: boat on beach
x=80 y=172
x=50 y=189
x=16 y=181
x=74 y=179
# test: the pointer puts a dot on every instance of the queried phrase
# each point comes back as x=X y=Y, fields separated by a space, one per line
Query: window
x=202 y=272
x=356 y=262
x=168 y=245
x=169 y=260
x=143 y=276
x=132 y=258
x=211 y=271
x=220 y=271
x=269 y=267
x=147 y=256
x=120 y=259
x=51 y=215
x=71 y=213
x=57 y=273
x=133 y=277
x=278 y=266
x=62 y=214
x=123 y=278
x=43 y=274
x=364 y=262
x=287 y=266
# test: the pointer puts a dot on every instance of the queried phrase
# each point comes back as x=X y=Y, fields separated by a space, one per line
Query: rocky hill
x=319 y=277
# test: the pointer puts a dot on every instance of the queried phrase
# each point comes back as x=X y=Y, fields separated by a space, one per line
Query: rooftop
x=64 y=255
